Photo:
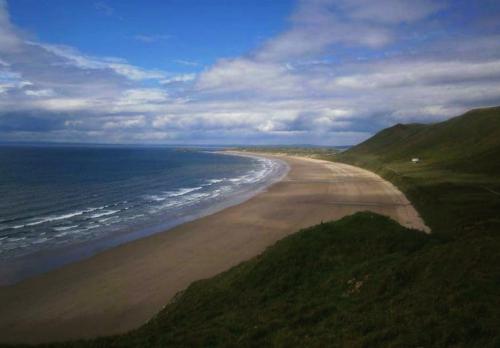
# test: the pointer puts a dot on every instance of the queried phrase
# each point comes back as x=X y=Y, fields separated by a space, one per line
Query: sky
x=324 y=72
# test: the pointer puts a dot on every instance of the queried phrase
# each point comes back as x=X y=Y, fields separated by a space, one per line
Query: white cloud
x=417 y=72
x=86 y=62
x=179 y=79
x=62 y=104
x=144 y=95
x=391 y=11
x=293 y=88
x=319 y=24
x=135 y=73
x=245 y=75
x=126 y=122
x=10 y=80
x=40 y=93
x=139 y=100
x=9 y=41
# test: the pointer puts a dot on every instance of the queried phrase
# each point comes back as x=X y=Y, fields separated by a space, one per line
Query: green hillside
x=456 y=185
x=469 y=143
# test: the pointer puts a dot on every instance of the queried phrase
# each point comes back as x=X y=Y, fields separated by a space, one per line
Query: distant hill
x=469 y=143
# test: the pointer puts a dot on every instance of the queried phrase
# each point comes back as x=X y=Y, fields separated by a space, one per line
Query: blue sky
x=156 y=34
x=252 y=72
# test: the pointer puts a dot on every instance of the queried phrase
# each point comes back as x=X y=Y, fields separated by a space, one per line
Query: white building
x=415 y=160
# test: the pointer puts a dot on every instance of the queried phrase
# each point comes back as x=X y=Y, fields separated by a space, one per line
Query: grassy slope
x=456 y=186
x=469 y=143
x=364 y=281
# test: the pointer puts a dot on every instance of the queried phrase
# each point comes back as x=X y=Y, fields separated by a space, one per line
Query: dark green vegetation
x=365 y=281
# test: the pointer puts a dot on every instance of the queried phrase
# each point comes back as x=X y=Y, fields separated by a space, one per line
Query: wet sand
x=121 y=288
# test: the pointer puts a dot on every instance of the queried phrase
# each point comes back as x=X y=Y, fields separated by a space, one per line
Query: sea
x=60 y=204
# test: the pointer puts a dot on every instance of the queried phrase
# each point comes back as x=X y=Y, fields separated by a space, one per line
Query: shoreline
x=40 y=262
x=121 y=288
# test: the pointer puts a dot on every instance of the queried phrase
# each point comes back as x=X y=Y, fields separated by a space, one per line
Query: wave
x=253 y=176
x=156 y=198
x=215 y=181
x=183 y=191
x=64 y=228
x=51 y=218
x=105 y=213
x=169 y=194
x=181 y=198
x=40 y=240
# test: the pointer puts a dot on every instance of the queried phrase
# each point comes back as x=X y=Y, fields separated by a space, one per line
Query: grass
x=363 y=281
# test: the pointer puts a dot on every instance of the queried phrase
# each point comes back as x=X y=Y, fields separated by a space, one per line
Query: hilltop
x=468 y=143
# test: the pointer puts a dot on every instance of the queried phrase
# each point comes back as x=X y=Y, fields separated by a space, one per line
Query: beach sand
x=121 y=288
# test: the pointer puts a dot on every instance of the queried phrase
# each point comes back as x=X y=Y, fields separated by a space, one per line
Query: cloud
x=9 y=41
x=62 y=104
x=417 y=73
x=40 y=93
x=119 y=66
x=391 y=11
x=340 y=71
x=249 y=77
x=292 y=65
x=128 y=122
x=317 y=25
x=145 y=95
x=182 y=78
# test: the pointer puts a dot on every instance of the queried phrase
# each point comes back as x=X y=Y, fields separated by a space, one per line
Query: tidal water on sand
x=62 y=203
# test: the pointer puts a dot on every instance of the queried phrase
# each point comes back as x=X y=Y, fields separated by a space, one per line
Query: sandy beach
x=121 y=288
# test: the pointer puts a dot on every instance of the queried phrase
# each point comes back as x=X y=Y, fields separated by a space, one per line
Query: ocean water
x=55 y=202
